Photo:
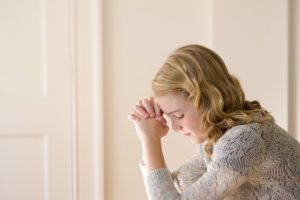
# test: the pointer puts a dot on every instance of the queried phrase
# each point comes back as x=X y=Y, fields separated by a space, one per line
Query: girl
x=242 y=153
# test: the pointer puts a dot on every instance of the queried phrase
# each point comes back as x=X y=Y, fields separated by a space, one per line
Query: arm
x=185 y=175
x=190 y=172
x=234 y=158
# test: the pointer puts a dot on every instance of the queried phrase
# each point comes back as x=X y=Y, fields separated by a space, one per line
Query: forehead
x=171 y=102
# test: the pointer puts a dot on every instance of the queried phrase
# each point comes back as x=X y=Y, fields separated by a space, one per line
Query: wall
x=255 y=48
x=138 y=35
x=294 y=70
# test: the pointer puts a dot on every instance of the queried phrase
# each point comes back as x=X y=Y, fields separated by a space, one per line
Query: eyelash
x=179 y=117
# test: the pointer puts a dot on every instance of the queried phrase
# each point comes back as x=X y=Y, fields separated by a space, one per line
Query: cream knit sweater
x=253 y=161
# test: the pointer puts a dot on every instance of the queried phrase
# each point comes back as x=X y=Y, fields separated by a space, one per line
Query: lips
x=187 y=134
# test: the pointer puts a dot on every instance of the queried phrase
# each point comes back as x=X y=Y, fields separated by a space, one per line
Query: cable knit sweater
x=252 y=161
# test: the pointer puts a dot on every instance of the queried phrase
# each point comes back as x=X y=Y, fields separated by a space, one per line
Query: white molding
x=73 y=94
x=88 y=94
x=97 y=59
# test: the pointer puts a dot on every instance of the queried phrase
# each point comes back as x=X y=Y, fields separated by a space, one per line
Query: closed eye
x=179 y=116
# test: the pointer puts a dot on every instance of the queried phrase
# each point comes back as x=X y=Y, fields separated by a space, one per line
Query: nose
x=175 y=126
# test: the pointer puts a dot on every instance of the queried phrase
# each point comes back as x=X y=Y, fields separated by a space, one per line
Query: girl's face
x=183 y=115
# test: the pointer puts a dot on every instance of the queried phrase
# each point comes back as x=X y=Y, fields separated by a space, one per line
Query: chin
x=198 y=140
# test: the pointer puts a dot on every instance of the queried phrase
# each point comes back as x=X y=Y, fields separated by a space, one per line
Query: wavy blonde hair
x=201 y=75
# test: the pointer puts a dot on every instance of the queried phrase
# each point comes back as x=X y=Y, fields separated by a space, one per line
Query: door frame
x=86 y=66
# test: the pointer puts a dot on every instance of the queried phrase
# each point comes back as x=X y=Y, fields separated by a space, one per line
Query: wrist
x=151 y=141
x=152 y=155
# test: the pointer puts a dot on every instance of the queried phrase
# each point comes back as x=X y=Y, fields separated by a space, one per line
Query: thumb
x=165 y=130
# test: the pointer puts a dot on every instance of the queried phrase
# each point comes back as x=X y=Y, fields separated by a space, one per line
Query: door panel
x=35 y=100
x=23 y=167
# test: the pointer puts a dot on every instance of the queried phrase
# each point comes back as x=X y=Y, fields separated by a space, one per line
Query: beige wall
x=294 y=69
x=255 y=48
x=138 y=35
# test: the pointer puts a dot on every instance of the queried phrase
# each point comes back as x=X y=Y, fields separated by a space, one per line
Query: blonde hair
x=201 y=75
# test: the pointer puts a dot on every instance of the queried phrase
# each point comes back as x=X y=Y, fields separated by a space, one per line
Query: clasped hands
x=148 y=120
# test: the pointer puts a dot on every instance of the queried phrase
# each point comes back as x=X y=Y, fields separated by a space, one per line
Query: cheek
x=193 y=123
x=189 y=124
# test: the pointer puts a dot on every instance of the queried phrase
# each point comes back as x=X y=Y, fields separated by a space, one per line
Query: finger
x=157 y=110
x=140 y=111
x=133 y=118
x=165 y=131
x=133 y=114
x=151 y=100
x=149 y=108
x=163 y=121
x=152 y=103
x=140 y=103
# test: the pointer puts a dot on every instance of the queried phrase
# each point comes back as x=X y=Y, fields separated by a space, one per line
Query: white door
x=35 y=101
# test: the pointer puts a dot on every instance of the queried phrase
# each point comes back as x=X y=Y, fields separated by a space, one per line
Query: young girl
x=242 y=153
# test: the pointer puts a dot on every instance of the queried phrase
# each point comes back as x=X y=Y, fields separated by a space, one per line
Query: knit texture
x=252 y=161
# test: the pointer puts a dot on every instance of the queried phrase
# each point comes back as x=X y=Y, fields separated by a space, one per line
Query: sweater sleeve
x=188 y=173
x=235 y=157
x=185 y=175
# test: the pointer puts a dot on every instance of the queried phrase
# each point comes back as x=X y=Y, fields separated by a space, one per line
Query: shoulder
x=241 y=142
x=244 y=134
